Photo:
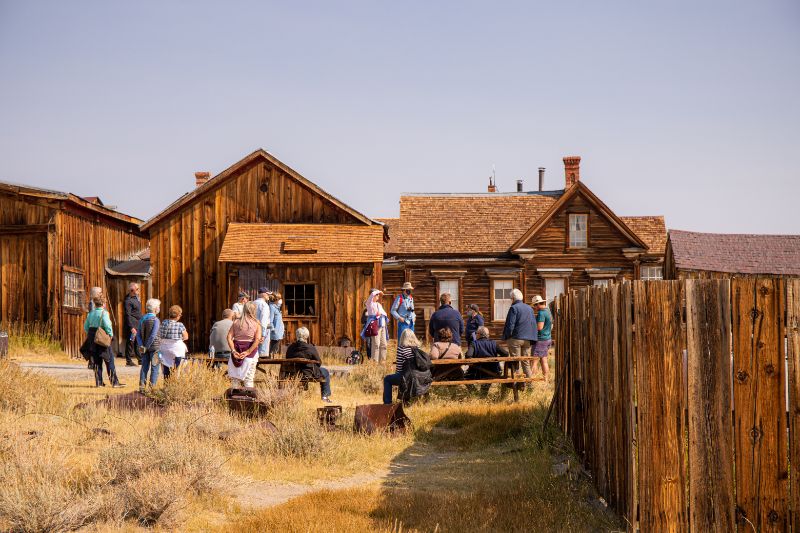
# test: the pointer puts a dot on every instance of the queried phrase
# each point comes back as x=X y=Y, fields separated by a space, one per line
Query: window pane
x=553 y=287
x=577 y=231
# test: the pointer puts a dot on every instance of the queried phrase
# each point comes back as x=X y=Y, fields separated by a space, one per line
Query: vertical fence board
x=708 y=316
x=759 y=404
x=793 y=337
x=659 y=393
x=629 y=440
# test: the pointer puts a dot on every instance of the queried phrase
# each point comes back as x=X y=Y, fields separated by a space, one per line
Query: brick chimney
x=201 y=177
x=572 y=170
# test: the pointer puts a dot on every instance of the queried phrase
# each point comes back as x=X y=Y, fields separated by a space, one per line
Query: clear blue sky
x=687 y=109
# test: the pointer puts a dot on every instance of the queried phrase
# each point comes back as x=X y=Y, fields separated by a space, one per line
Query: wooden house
x=691 y=255
x=54 y=247
x=480 y=246
x=260 y=223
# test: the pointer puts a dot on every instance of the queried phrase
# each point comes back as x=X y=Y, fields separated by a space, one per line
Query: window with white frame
x=74 y=290
x=451 y=286
x=553 y=287
x=578 y=230
x=601 y=282
x=501 y=289
x=651 y=272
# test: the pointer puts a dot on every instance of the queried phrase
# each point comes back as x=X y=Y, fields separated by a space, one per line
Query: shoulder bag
x=101 y=338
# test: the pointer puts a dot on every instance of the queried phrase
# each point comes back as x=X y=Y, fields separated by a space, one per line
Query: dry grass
x=22 y=391
x=368 y=377
x=32 y=341
x=467 y=470
x=97 y=469
x=195 y=382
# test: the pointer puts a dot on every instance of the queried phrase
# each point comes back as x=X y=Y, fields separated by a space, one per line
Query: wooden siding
x=340 y=294
x=86 y=245
x=186 y=245
x=43 y=236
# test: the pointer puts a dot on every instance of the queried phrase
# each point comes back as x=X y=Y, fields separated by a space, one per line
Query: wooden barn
x=54 y=247
x=260 y=223
x=693 y=255
x=480 y=246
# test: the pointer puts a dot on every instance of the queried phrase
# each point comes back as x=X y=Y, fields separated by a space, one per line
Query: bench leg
x=516 y=391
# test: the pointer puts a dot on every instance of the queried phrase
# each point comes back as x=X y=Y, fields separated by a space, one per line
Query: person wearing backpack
x=403 y=310
x=412 y=372
x=147 y=342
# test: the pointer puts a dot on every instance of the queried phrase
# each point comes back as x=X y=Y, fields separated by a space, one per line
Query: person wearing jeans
x=147 y=342
x=405 y=352
x=303 y=349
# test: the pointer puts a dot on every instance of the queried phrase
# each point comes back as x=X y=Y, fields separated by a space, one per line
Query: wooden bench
x=507 y=377
x=284 y=375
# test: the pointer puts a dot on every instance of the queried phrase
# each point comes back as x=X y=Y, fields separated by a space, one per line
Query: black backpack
x=421 y=361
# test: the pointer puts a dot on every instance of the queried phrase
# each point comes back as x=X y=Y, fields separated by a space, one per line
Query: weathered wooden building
x=693 y=255
x=480 y=246
x=54 y=246
x=260 y=223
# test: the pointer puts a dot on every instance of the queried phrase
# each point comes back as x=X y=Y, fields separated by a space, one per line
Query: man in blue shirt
x=520 y=331
x=403 y=310
x=446 y=317
x=544 y=325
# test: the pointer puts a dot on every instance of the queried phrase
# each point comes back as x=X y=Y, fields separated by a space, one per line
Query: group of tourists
x=527 y=331
x=252 y=329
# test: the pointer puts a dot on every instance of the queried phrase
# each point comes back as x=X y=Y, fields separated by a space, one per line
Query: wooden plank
x=759 y=404
x=629 y=427
x=711 y=482
x=484 y=381
x=23 y=229
x=793 y=343
x=659 y=392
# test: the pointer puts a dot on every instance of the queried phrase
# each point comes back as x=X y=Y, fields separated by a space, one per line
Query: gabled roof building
x=480 y=246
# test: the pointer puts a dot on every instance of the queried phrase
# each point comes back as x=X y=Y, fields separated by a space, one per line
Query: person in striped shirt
x=405 y=352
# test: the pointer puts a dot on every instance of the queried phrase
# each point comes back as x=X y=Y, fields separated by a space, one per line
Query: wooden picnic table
x=506 y=378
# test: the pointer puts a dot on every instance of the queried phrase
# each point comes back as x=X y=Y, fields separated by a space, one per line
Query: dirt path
x=264 y=494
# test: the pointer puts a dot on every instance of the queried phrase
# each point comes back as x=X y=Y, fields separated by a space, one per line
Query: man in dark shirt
x=133 y=314
x=446 y=317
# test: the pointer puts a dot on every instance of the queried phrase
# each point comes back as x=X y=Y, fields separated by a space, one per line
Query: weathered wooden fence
x=683 y=400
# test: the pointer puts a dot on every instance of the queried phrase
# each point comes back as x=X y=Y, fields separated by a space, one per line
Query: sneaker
x=118 y=385
x=130 y=363
x=326 y=399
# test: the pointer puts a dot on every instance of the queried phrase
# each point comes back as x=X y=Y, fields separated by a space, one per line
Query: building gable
x=605 y=229
x=261 y=188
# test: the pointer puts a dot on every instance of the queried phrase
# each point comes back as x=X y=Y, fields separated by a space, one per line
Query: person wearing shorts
x=544 y=325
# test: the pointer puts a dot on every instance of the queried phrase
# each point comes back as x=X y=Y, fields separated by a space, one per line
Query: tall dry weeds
x=368 y=377
x=26 y=338
x=196 y=382
x=23 y=391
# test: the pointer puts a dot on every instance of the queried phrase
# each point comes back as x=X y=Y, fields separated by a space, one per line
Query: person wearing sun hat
x=544 y=325
x=377 y=335
x=403 y=310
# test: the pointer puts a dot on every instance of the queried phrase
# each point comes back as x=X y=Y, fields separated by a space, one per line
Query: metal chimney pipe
x=541 y=178
x=519 y=185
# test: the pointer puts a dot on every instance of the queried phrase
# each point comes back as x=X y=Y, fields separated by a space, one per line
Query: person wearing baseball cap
x=544 y=325
x=403 y=310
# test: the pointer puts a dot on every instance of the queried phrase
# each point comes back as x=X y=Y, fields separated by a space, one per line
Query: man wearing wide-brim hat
x=403 y=310
x=544 y=325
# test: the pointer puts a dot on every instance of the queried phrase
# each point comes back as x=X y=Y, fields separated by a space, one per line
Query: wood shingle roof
x=485 y=224
x=302 y=243
x=652 y=230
